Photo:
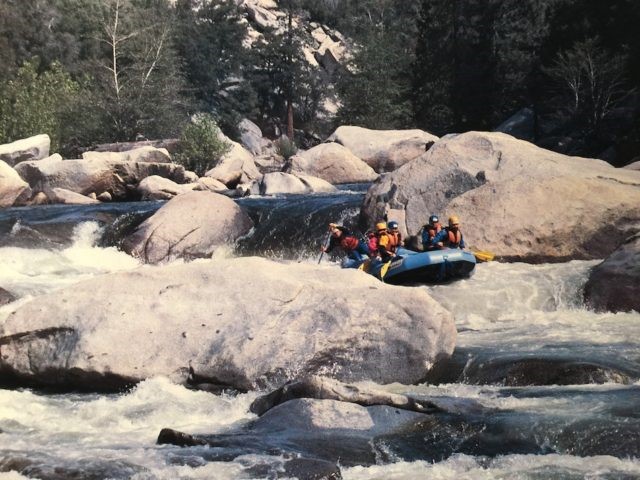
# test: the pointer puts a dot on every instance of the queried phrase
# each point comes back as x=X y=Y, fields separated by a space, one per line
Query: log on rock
x=322 y=388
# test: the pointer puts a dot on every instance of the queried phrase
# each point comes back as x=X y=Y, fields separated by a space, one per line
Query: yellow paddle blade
x=364 y=266
x=483 y=255
x=383 y=270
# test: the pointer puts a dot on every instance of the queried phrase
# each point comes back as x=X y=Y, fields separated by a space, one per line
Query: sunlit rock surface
x=383 y=150
x=245 y=323
x=513 y=198
x=32 y=148
x=333 y=163
x=191 y=225
x=614 y=285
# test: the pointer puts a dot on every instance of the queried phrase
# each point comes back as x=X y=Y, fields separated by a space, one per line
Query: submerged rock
x=539 y=371
x=5 y=297
x=614 y=285
x=245 y=323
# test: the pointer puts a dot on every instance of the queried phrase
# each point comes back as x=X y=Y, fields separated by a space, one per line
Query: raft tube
x=436 y=266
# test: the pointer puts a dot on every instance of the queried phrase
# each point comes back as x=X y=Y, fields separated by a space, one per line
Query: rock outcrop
x=614 y=285
x=191 y=225
x=235 y=167
x=333 y=163
x=515 y=199
x=169 y=144
x=140 y=154
x=251 y=137
x=383 y=150
x=119 y=178
x=244 y=323
x=63 y=196
x=323 y=388
x=278 y=183
x=11 y=185
x=32 y=148
x=160 y=188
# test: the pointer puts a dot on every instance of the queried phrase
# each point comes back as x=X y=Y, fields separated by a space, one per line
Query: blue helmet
x=393 y=225
x=433 y=219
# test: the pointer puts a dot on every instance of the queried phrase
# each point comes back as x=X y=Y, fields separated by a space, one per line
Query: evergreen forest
x=563 y=74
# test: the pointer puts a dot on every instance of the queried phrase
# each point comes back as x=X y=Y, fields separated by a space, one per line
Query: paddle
x=325 y=244
x=383 y=270
x=482 y=255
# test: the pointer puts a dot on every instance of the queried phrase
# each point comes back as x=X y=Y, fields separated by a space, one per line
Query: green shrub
x=34 y=102
x=286 y=147
x=201 y=144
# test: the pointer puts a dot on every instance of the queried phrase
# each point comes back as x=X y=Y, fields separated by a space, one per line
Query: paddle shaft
x=326 y=245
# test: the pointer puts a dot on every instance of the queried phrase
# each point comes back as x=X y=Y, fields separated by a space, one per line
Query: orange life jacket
x=454 y=238
x=395 y=238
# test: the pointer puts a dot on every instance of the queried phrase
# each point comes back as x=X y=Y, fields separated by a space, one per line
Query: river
x=578 y=417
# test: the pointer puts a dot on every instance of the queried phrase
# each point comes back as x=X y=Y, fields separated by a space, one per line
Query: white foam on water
x=118 y=428
x=512 y=467
x=36 y=271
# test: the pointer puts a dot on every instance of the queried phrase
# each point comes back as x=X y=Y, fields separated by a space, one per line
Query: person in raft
x=429 y=231
x=356 y=250
x=449 y=237
x=384 y=252
x=395 y=237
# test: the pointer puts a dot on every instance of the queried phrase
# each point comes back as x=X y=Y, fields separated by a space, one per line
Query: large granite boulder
x=614 y=285
x=633 y=166
x=191 y=225
x=333 y=163
x=235 y=167
x=11 y=185
x=141 y=154
x=155 y=187
x=243 y=322
x=210 y=184
x=119 y=178
x=32 y=148
x=277 y=183
x=170 y=144
x=251 y=137
x=383 y=150
x=67 y=197
x=514 y=199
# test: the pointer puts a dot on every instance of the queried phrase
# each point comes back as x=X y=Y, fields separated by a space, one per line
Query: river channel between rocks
x=561 y=382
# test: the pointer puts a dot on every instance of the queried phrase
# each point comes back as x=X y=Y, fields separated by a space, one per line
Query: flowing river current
x=580 y=419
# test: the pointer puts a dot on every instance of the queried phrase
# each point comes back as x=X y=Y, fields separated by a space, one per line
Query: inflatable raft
x=436 y=266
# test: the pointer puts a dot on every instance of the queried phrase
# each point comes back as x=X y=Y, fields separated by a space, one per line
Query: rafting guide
x=356 y=249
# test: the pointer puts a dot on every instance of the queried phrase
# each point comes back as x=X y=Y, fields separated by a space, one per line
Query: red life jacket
x=349 y=243
x=373 y=243
x=454 y=238
x=394 y=241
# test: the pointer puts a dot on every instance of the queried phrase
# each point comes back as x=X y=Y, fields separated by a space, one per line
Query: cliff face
x=322 y=47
